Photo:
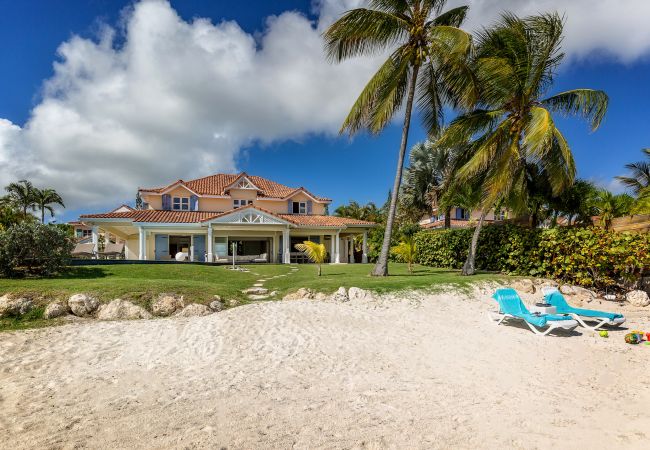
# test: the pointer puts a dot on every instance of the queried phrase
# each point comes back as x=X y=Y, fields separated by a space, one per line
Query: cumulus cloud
x=176 y=99
x=162 y=97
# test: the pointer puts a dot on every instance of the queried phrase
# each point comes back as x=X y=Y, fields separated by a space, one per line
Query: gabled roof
x=123 y=208
x=218 y=184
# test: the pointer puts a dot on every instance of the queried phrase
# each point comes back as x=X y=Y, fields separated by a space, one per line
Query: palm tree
x=610 y=206
x=21 y=195
x=512 y=126
x=421 y=44
x=576 y=203
x=406 y=251
x=639 y=178
x=43 y=198
x=314 y=251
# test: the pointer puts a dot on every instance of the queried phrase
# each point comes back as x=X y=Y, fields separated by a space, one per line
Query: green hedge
x=584 y=256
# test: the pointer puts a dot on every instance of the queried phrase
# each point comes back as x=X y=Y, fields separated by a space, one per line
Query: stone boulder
x=193 y=309
x=83 y=305
x=257 y=290
x=355 y=293
x=14 y=306
x=167 y=304
x=341 y=295
x=567 y=289
x=638 y=298
x=56 y=309
x=216 y=305
x=583 y=295
x=120 y=309
x=300 y=294
x=525 y=286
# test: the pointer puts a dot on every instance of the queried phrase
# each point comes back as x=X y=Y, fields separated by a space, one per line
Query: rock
x=300 y=294
x=256 y=291
x=320 y=296
x=526 y=286
x=341 y=295
x=638 y=298
x=567 y=289
x=55 y=309
x=193 y=309
x=583 y=295
x=216 y=305
x=355 y=293
x=167 y=304
x=232 y=302
x=217 y=297
x=120 y=309
x=82 y=305
x=14 y=306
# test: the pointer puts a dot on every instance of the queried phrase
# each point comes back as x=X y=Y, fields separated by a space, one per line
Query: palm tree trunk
x=42 y=214
x=469 y=268
x=319 y=270
x=448 y=218
x=381 y=268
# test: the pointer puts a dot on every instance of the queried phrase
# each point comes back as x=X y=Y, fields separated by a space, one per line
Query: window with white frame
x=300 y=207
x=237 y=203
x=181 y=203
x=500 y=215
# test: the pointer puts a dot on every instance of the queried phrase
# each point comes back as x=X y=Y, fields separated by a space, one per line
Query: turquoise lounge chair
x=601 y=318
x=511 y=307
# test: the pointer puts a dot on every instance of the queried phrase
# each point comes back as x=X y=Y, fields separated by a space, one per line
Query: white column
x=274 y=248
x=210 y=242
x=192 y=248
x=286 y=243
x=351 y=249
x=95 y=231
x=337 y=241
x=364 y=248
x=142 y=248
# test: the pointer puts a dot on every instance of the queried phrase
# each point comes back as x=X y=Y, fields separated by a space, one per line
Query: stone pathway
x=259 y=292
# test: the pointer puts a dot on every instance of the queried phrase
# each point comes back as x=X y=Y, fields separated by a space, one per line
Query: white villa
x=200 y=220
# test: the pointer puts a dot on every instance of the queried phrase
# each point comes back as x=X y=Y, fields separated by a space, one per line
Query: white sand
x=305 y=374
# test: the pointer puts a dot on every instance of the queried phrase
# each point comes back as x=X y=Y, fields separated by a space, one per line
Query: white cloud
x=177 y=99
x=617 y=28
x=180 y=99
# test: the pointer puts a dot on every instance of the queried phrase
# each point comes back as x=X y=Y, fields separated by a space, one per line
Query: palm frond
x=538 y=133
x=314 y=251
x=454 y=17
x=589 y=103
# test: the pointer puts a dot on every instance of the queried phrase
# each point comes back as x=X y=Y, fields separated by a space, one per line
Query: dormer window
x=237 y=203
x=181 y=203
x=300 y=207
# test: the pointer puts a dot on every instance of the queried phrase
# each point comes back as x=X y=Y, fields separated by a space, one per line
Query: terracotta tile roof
x=217 y=185
x=323 y=221
x=455 y=223
x=152 y=215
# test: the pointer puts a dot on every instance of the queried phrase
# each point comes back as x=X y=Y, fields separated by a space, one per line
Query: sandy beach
x=417 y=371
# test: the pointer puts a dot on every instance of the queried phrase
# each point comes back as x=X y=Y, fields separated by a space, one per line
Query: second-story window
x=237 y=203
x=181 y=203
x=299 y=207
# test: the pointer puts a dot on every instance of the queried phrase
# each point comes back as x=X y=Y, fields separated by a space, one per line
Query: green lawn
x=141 y=283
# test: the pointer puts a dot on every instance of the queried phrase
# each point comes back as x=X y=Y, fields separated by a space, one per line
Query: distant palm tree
x=314 y=251
x=610 y=206
x=515 y=64
x=421 y=44
x=21 y=195
x=639 y=178
x=406 y=250
x=43 y=198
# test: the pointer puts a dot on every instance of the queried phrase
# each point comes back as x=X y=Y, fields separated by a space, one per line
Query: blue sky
x=314 y=156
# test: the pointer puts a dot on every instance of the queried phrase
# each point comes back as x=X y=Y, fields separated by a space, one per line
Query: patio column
x=210 y=258
x=95 y=236
x=142 y=239
x=351 y=250
x=364 y=248
x=337 y=243
x=191 y=248
x=286 y=243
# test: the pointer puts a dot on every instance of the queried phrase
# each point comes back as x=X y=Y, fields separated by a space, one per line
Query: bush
x=34 y=249
x=590 y=257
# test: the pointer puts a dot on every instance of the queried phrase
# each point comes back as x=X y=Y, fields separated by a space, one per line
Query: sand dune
x=414 y=372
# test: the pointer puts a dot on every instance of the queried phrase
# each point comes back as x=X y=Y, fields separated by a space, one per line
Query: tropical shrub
x=591 y=257
x=34 y=249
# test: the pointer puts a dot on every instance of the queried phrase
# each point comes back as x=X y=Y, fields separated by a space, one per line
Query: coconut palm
x=426 y=61
x=44 y=198
x=515 y=65
x=406 y=251
x=639 y=178
x=610 y=206
x=21 y=195
x=314 y=251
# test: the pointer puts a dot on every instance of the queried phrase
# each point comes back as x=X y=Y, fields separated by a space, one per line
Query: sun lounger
x=84 y=251
x=112 y=250
x=601 y=318
x=511 y=307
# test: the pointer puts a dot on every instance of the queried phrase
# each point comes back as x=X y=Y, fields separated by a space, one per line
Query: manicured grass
x=141 y=283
